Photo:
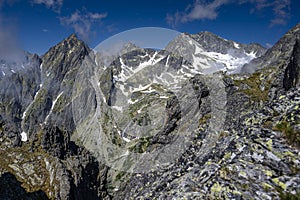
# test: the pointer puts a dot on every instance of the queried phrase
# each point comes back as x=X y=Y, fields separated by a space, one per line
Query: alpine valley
x=205 y=118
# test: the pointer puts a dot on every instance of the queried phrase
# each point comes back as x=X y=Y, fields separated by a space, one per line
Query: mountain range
x=204 y=118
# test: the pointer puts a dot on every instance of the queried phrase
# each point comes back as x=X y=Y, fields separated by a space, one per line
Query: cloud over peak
x=82 y=22
x=198 y=11
x=55 y=5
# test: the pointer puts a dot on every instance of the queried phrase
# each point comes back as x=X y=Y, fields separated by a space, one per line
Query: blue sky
x=36 y=25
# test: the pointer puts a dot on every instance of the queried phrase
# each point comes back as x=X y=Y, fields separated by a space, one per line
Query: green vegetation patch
x=289 y=196
x=141 y=146
x=292 y=136
x=257 y=85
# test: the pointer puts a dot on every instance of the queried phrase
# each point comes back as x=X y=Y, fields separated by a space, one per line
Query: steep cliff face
x=46 y=159
x=20 y=81
x=151 y=125
x=11 y=188
x=292 y=71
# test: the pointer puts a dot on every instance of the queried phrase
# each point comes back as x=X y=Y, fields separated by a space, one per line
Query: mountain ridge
x=60 y=155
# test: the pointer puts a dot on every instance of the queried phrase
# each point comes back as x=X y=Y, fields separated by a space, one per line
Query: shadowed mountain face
x=11 y=189
x=176 y=123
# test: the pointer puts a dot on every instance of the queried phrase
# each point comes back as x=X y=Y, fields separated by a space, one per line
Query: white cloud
x=55 y=5
x=209 y=10
x=281 y=9
x=198 y=11
x=82 y=22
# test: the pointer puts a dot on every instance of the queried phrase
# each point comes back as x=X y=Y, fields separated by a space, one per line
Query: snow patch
x=128 y=71
x=96 y=62
x=236 y=45
x=251 y=55
x=24 y=137
x=132 y=102
x=141 y=88
x=122 y=63
x=126 y=139
x=122 y=88
x=199 y=62
x=52 y=107
x=118 y=108
x=231 y=62
x=198 y=50
x=29 y=106
x=164 y=97
x=167 y=60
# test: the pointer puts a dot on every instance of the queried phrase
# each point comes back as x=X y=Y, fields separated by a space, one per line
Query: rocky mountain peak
x=71 y=39
x=73 y=36
x=207 y=34
x=65 y=55
x=67 y=45
x=128 y=47
x=214 y=43
x=286 y=43
x=277 y=55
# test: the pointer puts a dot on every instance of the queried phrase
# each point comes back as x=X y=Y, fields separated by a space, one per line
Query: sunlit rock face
x=181 y=122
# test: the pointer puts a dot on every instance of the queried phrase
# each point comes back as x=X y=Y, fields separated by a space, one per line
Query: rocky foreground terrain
x=206 y=118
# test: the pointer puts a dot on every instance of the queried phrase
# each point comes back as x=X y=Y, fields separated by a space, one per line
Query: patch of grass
x=224 y=134
x=120 y=175
x=292 y=136
x=141 y=146
x=142 y=119
x=204 y=119
x=254 y=91
x=255 y=81
x=268 y=124
x=287 y=195
x=19 y=156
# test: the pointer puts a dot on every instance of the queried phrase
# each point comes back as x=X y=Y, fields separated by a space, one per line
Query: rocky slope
x=179 y=123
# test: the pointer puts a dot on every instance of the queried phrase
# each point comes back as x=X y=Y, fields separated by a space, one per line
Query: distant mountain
x=180 y=123
x=213 y=43
x=211 y=50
